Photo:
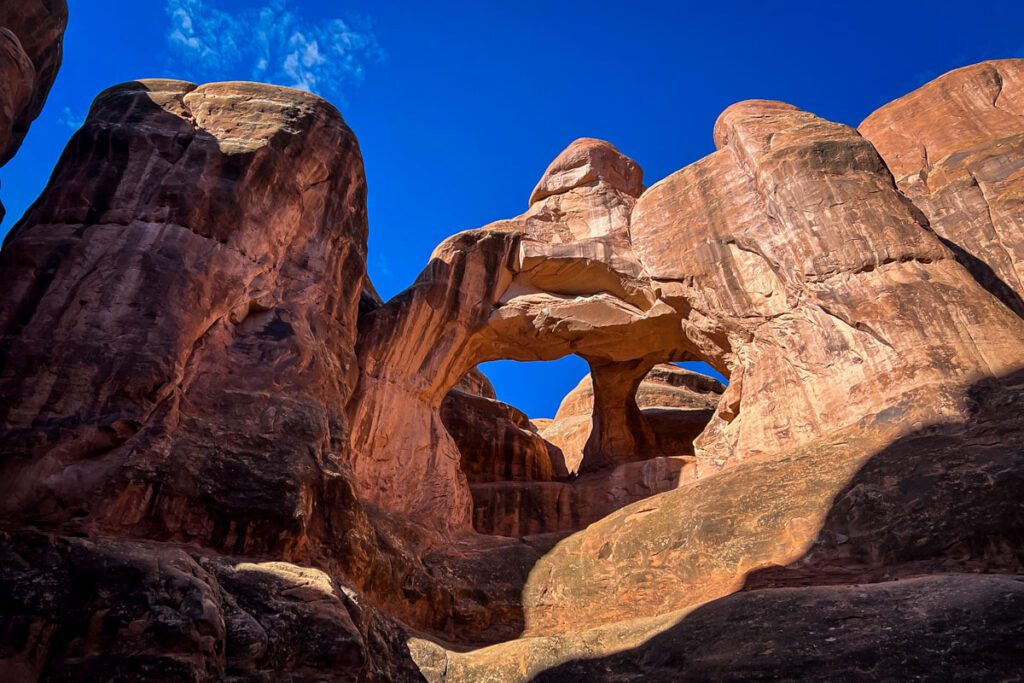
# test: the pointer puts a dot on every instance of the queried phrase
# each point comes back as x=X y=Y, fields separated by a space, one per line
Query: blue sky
x=459 y=106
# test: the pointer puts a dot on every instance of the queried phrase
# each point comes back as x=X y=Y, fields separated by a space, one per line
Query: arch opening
x=623 y=432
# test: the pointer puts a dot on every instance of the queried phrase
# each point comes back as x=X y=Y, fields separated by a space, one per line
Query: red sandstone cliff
x=222 y=456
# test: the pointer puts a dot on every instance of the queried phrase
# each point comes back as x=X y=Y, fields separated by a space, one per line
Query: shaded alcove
x=530 y=475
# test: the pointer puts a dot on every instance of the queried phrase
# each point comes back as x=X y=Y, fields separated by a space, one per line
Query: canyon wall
x=222 y=456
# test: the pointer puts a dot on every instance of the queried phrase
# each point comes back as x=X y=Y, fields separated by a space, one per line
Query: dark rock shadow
x=987 y=277
x=915 y=575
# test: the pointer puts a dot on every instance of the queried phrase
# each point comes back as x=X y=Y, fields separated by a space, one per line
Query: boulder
x=114 y=609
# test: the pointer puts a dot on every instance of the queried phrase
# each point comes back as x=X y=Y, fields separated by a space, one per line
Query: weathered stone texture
x=224 y=457
x=956 y=148
x=177 y=341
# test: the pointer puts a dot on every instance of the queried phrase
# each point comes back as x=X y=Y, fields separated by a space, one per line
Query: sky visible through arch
x=459 y=106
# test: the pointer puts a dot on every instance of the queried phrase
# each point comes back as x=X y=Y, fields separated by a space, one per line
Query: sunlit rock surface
x=956 y=149
x=224 y=457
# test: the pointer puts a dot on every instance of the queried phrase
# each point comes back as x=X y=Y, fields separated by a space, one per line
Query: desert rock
x=31 y=48
x=224 y=456
x=151 y=315
x=956 y=147
x=674 y=404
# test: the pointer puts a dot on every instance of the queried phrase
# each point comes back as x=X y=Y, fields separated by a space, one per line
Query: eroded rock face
x=870 y=376
x=115 y=609
x=522 y=483
x=956 y=148
x=476 y=383
x=177 y=342
x=178 y=346
x=31 y=48
x=832 y=306
x=515 y=508
x=559 y=279
x=496 y=441
x=257 y=467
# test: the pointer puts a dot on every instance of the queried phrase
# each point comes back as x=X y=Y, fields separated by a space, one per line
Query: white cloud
x=269 y=43
x=70 y=119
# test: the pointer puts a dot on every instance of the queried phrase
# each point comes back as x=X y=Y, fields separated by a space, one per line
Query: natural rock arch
x=559 y=279
x=790 y=288
x=526 y=476
x=181 y=377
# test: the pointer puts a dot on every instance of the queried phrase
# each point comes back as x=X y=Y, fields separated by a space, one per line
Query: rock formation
x=521 y=479
x=151 y=314
x=674 y=406
x=496 y=441
x=559 y=279
x=31 y=47
x=956 y=149
x=222 y=456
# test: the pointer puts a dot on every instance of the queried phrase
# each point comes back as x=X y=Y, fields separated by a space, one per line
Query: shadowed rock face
x=193 y=266
x=921 y=628
x=496 y=441
x=222 y=456
x=118 y=609
x=31 y=48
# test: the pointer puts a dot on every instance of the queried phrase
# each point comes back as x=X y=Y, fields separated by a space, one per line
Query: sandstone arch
x=195 y=374
x=559 y=279
x=792 y=288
